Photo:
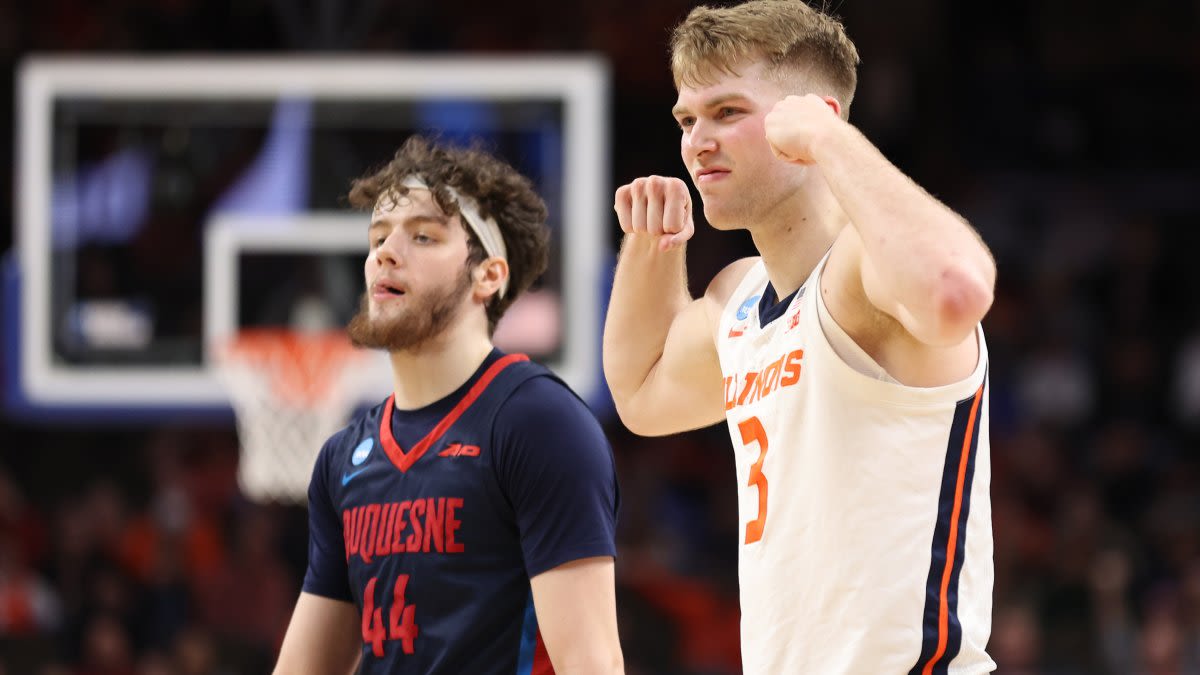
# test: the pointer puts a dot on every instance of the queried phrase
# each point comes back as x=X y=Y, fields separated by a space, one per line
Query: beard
x=426 y=318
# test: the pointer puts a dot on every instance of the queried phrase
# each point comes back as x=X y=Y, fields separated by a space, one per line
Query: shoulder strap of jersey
x=520 y=371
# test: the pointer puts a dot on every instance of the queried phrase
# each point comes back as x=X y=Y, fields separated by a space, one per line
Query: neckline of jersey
x=405 y=460
x=769 y=309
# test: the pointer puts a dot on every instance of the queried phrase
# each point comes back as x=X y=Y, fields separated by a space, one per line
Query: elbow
x=961 y=300
x=622 y=401
x=624 y=393
x=624 y=410
x=627 y=412
x=639 y=418
x=622 y=398
x=621 y=386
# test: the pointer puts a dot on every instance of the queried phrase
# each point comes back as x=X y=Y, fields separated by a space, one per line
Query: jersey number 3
x=753 y=432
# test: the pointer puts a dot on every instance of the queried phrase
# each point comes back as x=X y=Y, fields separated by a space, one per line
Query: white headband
x=484 y=228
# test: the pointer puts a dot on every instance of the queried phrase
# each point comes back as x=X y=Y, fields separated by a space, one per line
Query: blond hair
x=798 y=43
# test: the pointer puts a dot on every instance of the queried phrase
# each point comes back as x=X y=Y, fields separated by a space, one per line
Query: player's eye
x=377 y=242
x=686 y=122
x=422 y=238
x=726 y=112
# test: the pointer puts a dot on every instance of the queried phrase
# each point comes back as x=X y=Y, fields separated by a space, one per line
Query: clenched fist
x=795 y=121
x=659 y=206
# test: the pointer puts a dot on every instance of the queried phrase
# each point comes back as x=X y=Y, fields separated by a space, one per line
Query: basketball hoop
x=290 y=391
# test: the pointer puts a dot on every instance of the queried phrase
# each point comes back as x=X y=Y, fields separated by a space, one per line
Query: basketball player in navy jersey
x=466 y=524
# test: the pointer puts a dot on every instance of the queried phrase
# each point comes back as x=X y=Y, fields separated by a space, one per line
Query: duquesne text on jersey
x=411 y=526
x=746 y=388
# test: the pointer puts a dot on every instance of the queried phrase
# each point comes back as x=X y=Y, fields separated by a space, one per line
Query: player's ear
x=833 y=103
x=489 y=276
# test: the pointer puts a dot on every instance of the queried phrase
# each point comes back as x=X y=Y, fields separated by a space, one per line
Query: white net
x=290 y=391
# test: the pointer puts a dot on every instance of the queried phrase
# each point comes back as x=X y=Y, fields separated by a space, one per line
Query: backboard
x=163 y=205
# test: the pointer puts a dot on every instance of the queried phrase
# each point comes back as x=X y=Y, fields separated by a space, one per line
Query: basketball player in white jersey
x=848 y=359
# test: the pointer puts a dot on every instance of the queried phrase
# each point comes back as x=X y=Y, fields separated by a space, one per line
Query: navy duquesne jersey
x=432 y=521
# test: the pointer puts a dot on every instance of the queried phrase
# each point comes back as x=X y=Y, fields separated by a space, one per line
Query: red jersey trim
x=404 y=460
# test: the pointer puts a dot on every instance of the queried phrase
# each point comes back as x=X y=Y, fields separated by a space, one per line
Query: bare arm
x=660 y=358
x=577 y=614
x=322 y=639
x=916 y=259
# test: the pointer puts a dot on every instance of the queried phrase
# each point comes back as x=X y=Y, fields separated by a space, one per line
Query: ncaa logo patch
x=744 y=311
x=362 y=451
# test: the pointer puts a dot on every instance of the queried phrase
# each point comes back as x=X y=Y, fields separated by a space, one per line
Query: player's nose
x=389 y=252
x=699 y=139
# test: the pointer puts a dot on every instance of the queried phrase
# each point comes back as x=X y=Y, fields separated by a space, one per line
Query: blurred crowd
x=1064 y=130
x=155 y=571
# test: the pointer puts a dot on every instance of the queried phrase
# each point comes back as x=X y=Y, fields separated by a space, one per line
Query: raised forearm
x=924 y=257
x=649 y=290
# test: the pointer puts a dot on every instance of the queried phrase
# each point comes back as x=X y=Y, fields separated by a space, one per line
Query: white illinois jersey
x=866 y=540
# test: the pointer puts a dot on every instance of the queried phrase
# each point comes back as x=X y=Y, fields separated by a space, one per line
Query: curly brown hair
x=501 y=191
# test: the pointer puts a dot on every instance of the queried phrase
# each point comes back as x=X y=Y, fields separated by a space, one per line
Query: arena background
x=1064 y=130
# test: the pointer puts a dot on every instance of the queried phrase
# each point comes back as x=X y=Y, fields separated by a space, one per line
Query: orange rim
x=300 y=367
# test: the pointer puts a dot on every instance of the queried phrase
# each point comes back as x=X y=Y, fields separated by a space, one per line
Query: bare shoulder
x=727 y=280
x=720 y=289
